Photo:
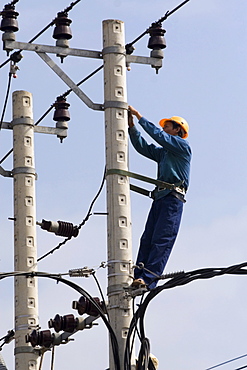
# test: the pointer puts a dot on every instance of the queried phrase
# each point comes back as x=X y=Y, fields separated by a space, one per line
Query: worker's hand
x=130 y=119
x=134 y=112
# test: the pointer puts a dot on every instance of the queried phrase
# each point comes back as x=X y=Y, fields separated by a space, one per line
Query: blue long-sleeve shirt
x=173 y=156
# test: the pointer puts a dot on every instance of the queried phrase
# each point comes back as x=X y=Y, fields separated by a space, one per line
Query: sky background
x=203 y=79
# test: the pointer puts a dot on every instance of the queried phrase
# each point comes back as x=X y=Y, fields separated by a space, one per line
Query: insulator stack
x=62 y=29
x=66 y=323
x=60 y=228
x=40 y=338
x=156 y=42
x=83 y=305
x=9 y=22
x=61 y=110
x=62 y=32
x=61 y=115
x=67 y=229
x=9 y=25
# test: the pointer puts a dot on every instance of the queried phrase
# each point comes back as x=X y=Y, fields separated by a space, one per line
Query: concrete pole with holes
x=118 y=192
x=25 y=249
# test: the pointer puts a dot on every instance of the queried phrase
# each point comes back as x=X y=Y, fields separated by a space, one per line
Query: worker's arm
x=172 y=143
x=150 y=151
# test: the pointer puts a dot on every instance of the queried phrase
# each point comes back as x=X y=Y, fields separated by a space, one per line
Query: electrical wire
x=6 y=100
x=52 y=357
x=13 y=2
x=226 y=362
x=143 y=358
x=129 y=46
x=182 y=279
x=41 y=360
x=52 y=106
x=179 y=280
x=80 y=290
x=101 y=294
x=83 y=80
x=66 y=10
x=81 y=224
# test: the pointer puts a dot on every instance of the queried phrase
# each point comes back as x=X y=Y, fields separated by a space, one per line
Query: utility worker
x=173 y=156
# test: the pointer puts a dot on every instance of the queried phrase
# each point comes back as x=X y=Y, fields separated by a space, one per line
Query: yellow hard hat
x=181 y=121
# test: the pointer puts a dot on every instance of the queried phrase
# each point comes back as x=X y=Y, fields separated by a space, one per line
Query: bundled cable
x=178 y=280
x=83 y=292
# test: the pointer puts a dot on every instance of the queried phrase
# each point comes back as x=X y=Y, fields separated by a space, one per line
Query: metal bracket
x=5 y=173
x=39 y=129
x=114 y=50
x=69 y=82
x=11 y=45
x=133 y=292
x=155 y=62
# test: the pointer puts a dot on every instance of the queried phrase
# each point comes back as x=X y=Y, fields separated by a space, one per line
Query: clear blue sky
x=203 y=79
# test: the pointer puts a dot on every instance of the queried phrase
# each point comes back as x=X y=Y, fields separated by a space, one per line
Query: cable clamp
x=25 y=170
x=119 y=261
x=81 y=272
x=22 y=121
x=116 y=104
x=25 y=349
x=114 y=50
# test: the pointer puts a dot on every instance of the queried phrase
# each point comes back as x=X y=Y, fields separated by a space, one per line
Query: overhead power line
x=81 y=224
x=52 y=106
x=66 y=10
x=6 y=100
x=227 y=362
x=162 y=19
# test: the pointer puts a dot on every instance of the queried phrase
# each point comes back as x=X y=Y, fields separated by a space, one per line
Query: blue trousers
x=158 y=237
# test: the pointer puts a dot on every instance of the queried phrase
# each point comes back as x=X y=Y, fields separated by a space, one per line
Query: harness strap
x=175 y=188
x=162 y=184
x=139 y=190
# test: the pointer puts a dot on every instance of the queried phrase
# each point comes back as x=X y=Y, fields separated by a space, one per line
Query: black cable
x=162 y=19
x=6 y=100
x=226 y=362
x=13 y=2
x=51 y=107
x=83 y=80
x=81 y=291
x=101 y=294
x=44 y=115
x=81 y=224
x=6 y=155
x=7 y=338
x=143 y=358
x=181 y=279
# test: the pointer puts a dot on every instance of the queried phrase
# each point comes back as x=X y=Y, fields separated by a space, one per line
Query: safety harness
x=177 y=189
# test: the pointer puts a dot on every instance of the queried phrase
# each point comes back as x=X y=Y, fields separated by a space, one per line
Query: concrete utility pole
x=25 y=248
x=118 y=191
